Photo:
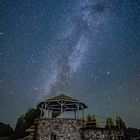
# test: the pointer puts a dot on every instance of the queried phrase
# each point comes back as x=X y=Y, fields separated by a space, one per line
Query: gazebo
x=55 y=106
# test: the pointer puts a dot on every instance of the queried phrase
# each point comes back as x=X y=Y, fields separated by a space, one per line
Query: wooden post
x=41 y=113
x=61 y=104
x=83 y=115
x=78 y=109
x=45 y=109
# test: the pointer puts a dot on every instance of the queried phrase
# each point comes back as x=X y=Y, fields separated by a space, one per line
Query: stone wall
x=71 y=129
x=64 y=129
x=101 y=134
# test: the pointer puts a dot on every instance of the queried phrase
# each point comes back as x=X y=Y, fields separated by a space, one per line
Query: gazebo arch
x=60 y=104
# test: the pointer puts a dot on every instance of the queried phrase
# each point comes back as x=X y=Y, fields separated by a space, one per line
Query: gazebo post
x=45 y=108
x=61 y=104
x=46 y=112
x=83 y=115
x=41 y=113
x=78 y=110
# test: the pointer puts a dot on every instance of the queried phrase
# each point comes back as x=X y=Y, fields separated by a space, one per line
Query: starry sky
x=88 y=49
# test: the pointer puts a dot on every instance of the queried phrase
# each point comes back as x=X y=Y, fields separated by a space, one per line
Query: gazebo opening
x=56 y=106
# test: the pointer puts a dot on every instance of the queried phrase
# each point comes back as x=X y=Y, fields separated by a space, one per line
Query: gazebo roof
x=62 y=98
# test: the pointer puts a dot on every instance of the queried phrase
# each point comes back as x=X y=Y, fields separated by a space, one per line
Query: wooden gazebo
x=59 y=104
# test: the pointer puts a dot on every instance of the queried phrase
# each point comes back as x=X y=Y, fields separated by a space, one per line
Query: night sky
x=88 y=49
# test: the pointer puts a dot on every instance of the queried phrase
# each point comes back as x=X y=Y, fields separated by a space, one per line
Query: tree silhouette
x=88 y=117
x=26 y=121
x=120 y=123
x=92 y=121
x=5 y=130
x=109 y=123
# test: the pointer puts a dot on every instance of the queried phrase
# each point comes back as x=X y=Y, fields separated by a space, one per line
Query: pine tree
x=92 y=121
x=109 y=123
x=88 y=118
x=120 y=123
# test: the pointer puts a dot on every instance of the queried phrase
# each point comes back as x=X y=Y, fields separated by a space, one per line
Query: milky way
x=74 y=43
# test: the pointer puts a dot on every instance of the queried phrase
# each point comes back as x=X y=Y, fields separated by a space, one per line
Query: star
x=108 y=72
x=90 y=49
